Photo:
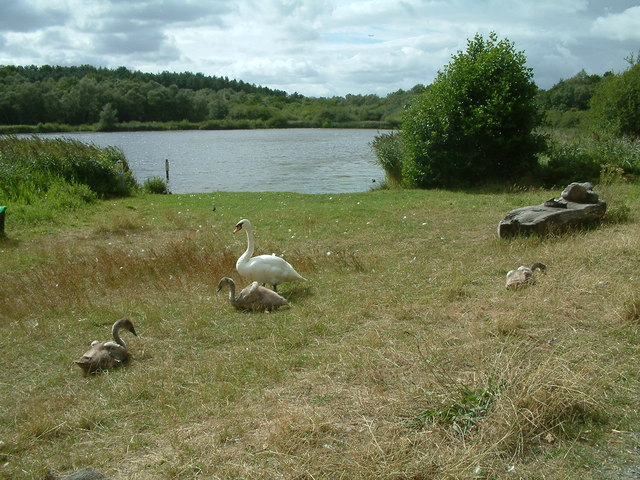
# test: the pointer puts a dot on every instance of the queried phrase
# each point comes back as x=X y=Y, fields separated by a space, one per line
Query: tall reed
x=36 y=159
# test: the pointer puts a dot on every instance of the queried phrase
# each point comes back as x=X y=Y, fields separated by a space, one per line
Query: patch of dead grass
x=114 y=271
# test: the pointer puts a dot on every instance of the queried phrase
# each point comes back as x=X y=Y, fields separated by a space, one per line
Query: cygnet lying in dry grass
x=523 y=275
x=105 y=355
x=253 y=297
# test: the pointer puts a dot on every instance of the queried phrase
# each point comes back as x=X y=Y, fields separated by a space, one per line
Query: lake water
x=287 y=160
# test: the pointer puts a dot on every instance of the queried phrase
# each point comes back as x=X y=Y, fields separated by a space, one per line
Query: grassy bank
x=44 y=178
x=225 y=124
x=402 y=357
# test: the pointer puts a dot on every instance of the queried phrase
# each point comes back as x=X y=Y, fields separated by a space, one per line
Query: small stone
x=555 y=203
x=580 y=193
x=88 y=473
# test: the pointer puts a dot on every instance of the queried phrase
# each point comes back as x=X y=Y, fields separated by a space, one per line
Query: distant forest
x=53 y=98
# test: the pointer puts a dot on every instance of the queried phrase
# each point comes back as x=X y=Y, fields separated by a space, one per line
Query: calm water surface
x=290 y=160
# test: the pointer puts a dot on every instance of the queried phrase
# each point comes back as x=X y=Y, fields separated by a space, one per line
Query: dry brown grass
x=404 y=309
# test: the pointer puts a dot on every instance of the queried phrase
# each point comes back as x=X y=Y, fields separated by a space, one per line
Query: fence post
x=2 y=212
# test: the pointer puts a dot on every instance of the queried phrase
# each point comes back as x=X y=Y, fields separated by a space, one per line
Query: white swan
x=265 y=269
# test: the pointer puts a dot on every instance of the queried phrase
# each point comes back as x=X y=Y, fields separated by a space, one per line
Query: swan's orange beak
x=238 y=228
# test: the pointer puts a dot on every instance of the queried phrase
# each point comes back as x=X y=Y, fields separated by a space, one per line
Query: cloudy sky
x=317 y=47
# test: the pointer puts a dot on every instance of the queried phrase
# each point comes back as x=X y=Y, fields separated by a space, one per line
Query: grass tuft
x=631 y=311
x=155 y=185
x=461 y=414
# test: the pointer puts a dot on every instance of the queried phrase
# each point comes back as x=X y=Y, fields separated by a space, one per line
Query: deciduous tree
x=475 y=123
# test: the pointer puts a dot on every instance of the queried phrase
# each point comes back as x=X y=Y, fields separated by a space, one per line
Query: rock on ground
x=578 y=205
x=88 y=473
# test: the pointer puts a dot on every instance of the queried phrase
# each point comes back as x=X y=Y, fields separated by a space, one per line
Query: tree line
x=87 y=95
x=109 y=99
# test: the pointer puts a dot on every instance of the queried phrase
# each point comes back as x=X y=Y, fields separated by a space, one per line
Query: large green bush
x=615 y=105
x=475 y=123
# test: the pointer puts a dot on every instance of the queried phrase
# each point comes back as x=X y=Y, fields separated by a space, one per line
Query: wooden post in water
x=2 y=212
x=166 y=168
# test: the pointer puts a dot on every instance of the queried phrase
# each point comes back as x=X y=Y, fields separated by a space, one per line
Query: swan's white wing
x=271 y=269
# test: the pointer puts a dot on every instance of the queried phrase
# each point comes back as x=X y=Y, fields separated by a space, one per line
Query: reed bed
x=46 y=173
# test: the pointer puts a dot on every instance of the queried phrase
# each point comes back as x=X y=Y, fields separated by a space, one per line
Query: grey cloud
x=20 y=16
x=171 y=11
x=127 y=28
x=273 y=73
x=390 y=74
x=607 y=8
x=554 y=61
x=621 y=26
x=298 y=9
x=142 y=40
x=300 y=33
x=43 y=49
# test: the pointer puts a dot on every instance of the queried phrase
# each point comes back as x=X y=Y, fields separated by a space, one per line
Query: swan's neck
x=116 y=336
x=250 y=246
x=232 y=292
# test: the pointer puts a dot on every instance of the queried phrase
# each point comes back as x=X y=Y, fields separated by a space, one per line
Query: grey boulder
x=578 y=205
x=88 y=473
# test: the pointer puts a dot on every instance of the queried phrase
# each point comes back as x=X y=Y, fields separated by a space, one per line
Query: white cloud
x=317 y=47
x=619 y=26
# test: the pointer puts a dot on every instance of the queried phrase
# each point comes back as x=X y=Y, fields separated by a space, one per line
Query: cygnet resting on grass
x=253 y=297
x=105 y=355
x=523 y=275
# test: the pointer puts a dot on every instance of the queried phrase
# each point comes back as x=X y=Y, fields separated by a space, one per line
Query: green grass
x=405 y=308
